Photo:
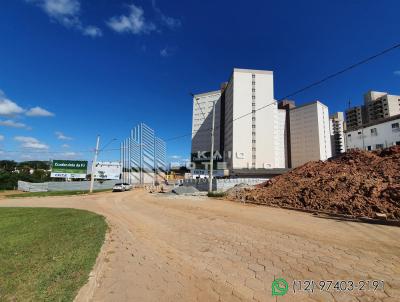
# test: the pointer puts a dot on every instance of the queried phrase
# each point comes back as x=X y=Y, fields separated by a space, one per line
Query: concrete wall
x=64 y=186
x=222 y=185
x=309 y=133
x=386 y=135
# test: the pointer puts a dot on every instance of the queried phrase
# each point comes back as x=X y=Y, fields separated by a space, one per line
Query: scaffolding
x=143 y=156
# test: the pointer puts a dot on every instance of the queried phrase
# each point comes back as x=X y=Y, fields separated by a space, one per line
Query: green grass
x=47 y=254
x=58 y=193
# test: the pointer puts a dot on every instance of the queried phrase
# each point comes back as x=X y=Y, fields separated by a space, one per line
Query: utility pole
x=94 y=163
x=210 y=178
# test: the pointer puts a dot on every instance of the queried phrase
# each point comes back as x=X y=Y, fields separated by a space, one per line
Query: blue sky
x=72 y=69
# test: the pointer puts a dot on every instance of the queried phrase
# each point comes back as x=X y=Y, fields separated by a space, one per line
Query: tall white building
x=337 y=128
x=377 y=135
x=202 y=121
x=309 y=133
x=253 y=126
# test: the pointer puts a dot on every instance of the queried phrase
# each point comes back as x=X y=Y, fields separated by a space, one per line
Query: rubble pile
x=357 y=183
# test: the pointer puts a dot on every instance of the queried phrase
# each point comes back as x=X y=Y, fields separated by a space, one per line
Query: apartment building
x=337 y=128
x=202 y=121
x=254 y=126
x=355 y=117
x=309 y=133
x=250 y=129
x=381 y=105
x=377 y=106
x=376 y=135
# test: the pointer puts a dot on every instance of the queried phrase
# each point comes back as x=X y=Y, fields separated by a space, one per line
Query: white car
x=121 y=187
x=127 y=186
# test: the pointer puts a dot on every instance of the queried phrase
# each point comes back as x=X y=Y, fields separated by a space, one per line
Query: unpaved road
x=196 y=249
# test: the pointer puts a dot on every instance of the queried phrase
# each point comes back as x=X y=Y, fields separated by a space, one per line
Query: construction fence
x=221 y=185
x=64 y=186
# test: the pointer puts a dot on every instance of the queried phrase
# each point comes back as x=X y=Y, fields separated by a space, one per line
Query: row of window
x=380 y=146
x=374 y=131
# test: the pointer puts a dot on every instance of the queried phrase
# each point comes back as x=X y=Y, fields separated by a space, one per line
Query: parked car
x=121 y=187
x=127 y=186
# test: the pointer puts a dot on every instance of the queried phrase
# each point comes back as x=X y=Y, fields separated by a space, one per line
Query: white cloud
x=70 y=154
x=65 y=146
x=396 y=72
x=67 y=13
x=38 y=111
x=13 y=124
x=134 y=23
x=170 y=22
x=8 y=107
x=92 y=31
x=61 y=136
x=30 y=142
x=1 y=137
x=166 y=52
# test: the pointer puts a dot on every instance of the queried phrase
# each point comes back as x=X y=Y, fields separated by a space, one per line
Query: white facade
x=375 y=135
x=253 y=124
x=310 y=133
x=337 y=127
x=202 y=121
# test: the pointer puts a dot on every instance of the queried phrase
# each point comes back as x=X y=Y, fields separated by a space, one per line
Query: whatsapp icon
x=279 y=287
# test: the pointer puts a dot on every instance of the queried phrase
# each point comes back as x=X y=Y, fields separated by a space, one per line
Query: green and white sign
x=69 y=169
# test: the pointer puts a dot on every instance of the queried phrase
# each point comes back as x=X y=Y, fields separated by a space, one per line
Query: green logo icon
x=279 y=287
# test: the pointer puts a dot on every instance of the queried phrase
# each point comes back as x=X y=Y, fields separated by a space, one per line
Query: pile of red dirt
x=357 y=183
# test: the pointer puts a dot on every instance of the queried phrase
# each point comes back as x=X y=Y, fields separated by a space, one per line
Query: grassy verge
x=47 y=254
x=216 y=194
x=58 y=193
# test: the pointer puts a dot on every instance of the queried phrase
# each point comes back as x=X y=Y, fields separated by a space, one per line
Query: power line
x=307 y=87
x=326 y=78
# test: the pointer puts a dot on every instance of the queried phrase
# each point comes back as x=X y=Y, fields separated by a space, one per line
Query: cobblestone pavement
x=162 y=248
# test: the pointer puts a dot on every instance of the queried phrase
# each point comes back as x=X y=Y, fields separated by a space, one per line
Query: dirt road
x=196 y=249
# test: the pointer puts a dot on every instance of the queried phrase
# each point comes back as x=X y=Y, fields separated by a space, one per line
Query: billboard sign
x=107 y=170
x=69 y=168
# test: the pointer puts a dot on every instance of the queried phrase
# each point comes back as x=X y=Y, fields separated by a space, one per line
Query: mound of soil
x=357 y=183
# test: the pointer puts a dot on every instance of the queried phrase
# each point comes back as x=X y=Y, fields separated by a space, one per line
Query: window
x=379 y=146
x=253 y=97
x=254 y=90
x=369 y=148
x=359 y=132
x=254 y=76
x=253 y=83
x=253 y=126
x=253 y=141
x=348 y=135
x=374 y=131
x=254 y=149
x=398 y=143
x=395 y=126
x=254 y=157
